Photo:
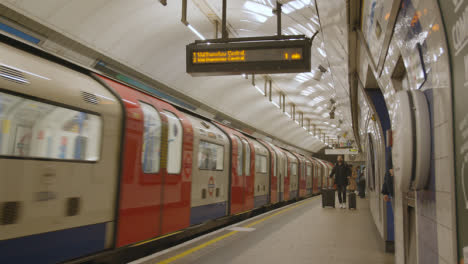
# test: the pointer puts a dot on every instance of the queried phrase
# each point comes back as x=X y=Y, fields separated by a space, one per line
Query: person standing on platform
x=340 y=173
x=387 y=188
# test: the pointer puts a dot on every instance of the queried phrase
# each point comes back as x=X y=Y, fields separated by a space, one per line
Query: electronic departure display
x=286 y=54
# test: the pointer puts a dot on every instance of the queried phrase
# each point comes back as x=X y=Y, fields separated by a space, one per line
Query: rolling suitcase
x=328 y=197
x=352 y=200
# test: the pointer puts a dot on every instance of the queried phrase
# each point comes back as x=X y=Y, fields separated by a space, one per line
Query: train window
x=33 y=129
x=293 y=169
x=151 y=150
x=210 y=156
x=260 y=163
x=309 y=171
x=174 y=143
x=240 y=156
x=247 y=157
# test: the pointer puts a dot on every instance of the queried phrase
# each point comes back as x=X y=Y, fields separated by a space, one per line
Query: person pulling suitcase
x=340 y=174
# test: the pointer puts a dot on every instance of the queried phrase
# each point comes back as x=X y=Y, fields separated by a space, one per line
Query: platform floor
x=302 y=232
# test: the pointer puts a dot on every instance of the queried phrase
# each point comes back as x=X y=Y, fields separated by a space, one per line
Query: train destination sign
x=249 y=55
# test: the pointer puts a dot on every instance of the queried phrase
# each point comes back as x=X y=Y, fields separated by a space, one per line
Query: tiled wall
x=419 y=21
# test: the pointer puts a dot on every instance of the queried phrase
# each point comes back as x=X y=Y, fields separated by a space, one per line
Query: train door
x=177 y=180
x=281 y=173
x=142 y=170
x=287 y=177
x=262 y=172
x=238 y=182
x=273 y=175
x=249 y=170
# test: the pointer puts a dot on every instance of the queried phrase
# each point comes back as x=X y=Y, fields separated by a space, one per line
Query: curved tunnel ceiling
x=149 y=37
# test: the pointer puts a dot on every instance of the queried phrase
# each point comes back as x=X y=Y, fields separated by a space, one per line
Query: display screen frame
x=246 y=67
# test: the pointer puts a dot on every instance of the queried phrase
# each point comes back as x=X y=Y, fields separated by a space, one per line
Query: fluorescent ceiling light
x=257 y=17
x=315 y=21
x=275 y=104
x=297 y=122
x=286 y=113
x=294 y=31
x=259 y=90
x=306 y=31
x=196 y=32
x=322 y=52
x=316 y=100
x=297 y=4
x=258 y=8
x=287 y=9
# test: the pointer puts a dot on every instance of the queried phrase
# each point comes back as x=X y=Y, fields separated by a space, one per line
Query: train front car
x=242 y=187
x=210 y=172
x=59 y=155
x=262 y=174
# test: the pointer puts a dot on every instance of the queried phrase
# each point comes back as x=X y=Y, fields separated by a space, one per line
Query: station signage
x=289 y=54
x=345 y=151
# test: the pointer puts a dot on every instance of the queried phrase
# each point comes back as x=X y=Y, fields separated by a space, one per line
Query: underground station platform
x=302 y=232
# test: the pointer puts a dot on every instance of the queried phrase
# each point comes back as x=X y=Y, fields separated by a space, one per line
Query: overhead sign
x=347 y=151
x=285 y=54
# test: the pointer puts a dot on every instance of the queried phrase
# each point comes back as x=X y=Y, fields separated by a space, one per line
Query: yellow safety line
x=275 y=214
x=243 y=212
x=190 y=251
x=154 y=239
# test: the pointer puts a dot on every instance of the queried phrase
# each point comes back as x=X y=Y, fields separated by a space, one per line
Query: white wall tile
x=446 y=244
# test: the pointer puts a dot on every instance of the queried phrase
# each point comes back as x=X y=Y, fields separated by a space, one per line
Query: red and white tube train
x=89 y=164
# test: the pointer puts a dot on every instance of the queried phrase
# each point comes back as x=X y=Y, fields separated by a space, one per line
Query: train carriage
x=210 y=171
x=59 y=153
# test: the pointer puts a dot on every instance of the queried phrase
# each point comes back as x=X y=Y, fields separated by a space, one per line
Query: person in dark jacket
x=341 y=172
x=387 y=187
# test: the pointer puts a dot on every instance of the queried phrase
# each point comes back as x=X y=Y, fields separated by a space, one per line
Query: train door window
x=174 y=143
x=151 y=151
x=210 y=156
x=247 y=157
x=275 y=160
x=260 y=163
x=285 y=166
x=33 y=129
x=240 y=156
x=303 y=173
x=294 y=169
x=309 y=171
